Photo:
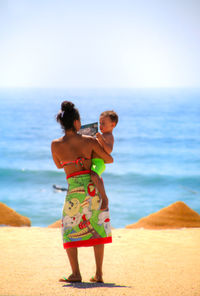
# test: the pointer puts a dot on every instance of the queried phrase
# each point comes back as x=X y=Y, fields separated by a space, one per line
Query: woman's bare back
x=71 y=148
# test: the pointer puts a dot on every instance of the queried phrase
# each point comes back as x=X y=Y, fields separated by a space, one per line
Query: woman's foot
x=96 y=279
x=72 y=279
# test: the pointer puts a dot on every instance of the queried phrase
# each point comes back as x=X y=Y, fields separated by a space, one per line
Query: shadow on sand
x=89 y=285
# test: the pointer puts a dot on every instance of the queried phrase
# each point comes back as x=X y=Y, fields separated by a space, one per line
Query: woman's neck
x=70 y=133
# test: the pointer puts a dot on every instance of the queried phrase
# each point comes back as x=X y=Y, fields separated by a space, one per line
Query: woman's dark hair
x=67 y=115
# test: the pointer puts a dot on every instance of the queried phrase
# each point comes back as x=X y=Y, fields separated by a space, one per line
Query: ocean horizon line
x=197 y=88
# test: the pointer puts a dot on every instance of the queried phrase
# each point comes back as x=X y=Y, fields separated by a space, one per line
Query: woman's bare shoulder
x=88 y=139
x=56 y=142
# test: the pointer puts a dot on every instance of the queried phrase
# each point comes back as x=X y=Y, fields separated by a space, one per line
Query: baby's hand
x=99 y=138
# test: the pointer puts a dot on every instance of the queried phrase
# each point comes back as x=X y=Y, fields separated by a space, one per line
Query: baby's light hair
x=112 y=115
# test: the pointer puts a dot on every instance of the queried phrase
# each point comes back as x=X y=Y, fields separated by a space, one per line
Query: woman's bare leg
x=73 y=259
x=99 y=254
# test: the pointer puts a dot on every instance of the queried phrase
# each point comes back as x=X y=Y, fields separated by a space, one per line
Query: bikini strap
x=76 y=162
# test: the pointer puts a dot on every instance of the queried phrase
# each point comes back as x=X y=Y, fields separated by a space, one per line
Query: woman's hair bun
x=67 y=106
x=67 y=115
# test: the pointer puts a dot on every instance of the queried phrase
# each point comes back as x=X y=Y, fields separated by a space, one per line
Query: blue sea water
x=156 y=151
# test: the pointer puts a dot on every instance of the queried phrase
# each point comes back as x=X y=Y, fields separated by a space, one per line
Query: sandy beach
x=138 y=262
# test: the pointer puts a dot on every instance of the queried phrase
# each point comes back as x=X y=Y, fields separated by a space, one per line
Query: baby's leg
x=100 y=186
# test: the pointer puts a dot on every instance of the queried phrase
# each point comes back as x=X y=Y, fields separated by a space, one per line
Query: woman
x=84 y=223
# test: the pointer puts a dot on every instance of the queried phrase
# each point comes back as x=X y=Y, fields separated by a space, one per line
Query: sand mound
x=177 y=215
x=9 y=217
x=56 y=224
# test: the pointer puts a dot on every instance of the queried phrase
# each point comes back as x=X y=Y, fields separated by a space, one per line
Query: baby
x=108 y=120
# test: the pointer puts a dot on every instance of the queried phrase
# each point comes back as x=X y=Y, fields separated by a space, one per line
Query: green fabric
x=98 y=166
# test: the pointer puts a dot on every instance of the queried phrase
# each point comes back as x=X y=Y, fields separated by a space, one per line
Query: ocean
x=156 y=151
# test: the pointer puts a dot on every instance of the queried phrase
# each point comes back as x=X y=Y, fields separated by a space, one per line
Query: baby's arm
x=106 y=141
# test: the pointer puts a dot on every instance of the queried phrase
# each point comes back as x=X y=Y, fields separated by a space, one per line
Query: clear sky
x=104 y=43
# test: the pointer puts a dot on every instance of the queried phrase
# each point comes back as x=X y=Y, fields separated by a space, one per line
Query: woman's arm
x=55 y=158
x=96 y=147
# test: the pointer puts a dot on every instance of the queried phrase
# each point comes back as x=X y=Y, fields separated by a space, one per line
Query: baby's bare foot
x=104 y=204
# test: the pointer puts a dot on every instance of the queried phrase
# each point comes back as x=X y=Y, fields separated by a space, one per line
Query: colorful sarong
x=83 y=223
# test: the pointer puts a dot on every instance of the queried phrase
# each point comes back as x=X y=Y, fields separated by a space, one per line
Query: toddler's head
x=108 y=121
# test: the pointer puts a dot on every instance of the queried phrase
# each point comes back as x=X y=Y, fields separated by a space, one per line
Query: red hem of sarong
x=88 y=243
x=79 y=173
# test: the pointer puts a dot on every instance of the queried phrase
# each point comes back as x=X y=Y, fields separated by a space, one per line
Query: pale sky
x=104 y=43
